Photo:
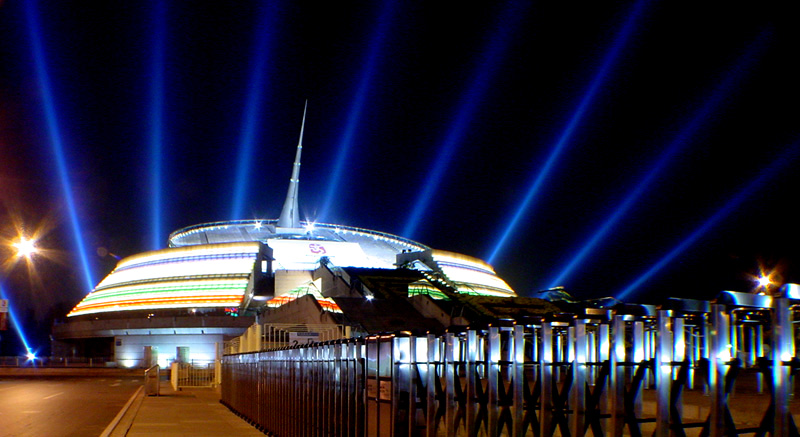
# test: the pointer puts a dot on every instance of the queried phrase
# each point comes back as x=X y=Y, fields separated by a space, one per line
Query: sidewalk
x=189 y=412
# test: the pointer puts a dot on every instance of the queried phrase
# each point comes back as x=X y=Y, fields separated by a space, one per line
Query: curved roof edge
x=262 y=230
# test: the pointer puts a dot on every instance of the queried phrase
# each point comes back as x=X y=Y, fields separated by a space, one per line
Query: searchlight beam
x=679 y=143
x=34 y=29
x=488 y=64
x=156 y=128
x=736 y=201
x=356 y=109
x=610 y=59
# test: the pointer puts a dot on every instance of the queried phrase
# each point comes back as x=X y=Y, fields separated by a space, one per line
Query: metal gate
x=194 y=374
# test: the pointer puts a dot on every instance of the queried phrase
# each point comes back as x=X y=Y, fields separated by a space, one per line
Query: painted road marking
x=52 y=396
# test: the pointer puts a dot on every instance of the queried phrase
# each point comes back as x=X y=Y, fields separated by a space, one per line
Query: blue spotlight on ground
x=759 y=182
x=535 y=186
x=488 y=63
x=54 y=134
x=354 y=116
x=14 y=322
x=156 y=124
x=247 y=136
x=684 y=137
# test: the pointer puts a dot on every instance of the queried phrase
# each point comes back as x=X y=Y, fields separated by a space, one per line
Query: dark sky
x=665 y=113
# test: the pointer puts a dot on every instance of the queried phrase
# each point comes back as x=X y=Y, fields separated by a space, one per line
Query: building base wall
x=129 y=350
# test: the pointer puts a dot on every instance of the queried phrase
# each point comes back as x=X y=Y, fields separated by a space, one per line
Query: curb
x=126 y=412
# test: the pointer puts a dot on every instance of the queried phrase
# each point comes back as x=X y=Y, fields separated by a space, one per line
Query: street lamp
x=25 y=247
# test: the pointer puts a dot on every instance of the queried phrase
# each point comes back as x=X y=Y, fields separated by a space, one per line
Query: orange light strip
x=158 y=303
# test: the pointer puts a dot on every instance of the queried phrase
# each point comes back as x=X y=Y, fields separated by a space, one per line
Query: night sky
x=660 y=137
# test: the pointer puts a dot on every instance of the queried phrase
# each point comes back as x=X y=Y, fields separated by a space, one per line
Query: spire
x=290 y=218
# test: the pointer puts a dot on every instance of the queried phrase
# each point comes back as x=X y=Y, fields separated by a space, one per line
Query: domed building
x=216 y=279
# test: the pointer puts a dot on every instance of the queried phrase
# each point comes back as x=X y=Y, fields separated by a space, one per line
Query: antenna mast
x=290 y=218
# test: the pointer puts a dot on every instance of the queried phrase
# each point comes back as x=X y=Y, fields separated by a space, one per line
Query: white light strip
x=457 y=258
x=177 y=252
x=188 y=268
x=469 y=276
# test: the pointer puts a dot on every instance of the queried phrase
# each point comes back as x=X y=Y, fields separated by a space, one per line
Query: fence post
x=546 y=375
x=663 y=371
x=430 y=401
x=152 y=381
x=449 y=374
x=757 y=345
x=693 y=341
x=493 y=377
x=578 y=392
x=617 y=376
x=402 y=400
x=603 y=356
x=678 y=356
x=257 y=338
x=518 y=360
x=782 y=353
x=217 y=363
x=720 y=359
x=472 y=380
x=174 y=375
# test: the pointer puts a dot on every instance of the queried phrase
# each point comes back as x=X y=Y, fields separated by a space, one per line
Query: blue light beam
x=249 y=127
x=54 y=134
x=15 y=323
x=735 y=202
x=156 y=125
x=468 y=105
x=681 y=140
x=357 y=107
x=563 y=141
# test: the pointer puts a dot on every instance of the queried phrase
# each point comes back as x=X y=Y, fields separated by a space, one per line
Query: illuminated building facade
x=214 y=279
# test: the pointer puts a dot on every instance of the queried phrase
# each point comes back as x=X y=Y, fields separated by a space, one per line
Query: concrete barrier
x=69 y=371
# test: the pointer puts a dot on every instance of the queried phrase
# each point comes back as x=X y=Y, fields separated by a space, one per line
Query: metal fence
x=555 y=377
x=284 y=391
x=259 y=337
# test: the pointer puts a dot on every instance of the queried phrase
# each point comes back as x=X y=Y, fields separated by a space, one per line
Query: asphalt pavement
x=62 y=406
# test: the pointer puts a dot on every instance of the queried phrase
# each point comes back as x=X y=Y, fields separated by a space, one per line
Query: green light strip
x=127 y=291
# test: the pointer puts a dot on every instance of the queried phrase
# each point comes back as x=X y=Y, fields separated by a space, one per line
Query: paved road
x=61 y=406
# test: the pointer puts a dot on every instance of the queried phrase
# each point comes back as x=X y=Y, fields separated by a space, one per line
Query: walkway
x=189 y=412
